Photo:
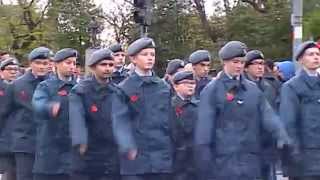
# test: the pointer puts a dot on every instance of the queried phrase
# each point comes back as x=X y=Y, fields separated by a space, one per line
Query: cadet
x=50 y=101
x=120 y=73
x=95 y=154
x=141 y=119
x=254 y=71
x=174 y=66
x=185 y=114
x=200 y=60
x=299 y=110
x=232 y=113
x=23 y=132
x=9 y=69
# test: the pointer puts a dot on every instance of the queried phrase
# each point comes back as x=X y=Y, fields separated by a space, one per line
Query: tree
x=23 y=23
x=71 y=19
x=119 y=18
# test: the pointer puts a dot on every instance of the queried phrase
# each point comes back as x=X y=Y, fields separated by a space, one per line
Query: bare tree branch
x=43 y=12
x=204 y=20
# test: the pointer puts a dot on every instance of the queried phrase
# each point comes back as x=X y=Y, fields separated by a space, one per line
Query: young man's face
x=234 y=67
x=145 y=59
x=185 y=87
x=66 y=67
x=311 y=59
x=10 y=72
x=256 y=68
x=39 y=67
x=201 y=69
x=103 y=69
x=119 y=59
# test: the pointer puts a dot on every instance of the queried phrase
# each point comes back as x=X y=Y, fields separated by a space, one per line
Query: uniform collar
x=311 y=81
x=232 y=83
x=145 y=79
x=61 y=83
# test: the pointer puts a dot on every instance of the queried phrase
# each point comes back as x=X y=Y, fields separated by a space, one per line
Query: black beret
x=174 y=65
x=232 y=50
x=199 y=56
x=140 y=44
x=116 y=48
x=40 y=53
x=64 y=54
x=303 y=47
x=7 y=62
x=99 y=55
x=182 y=75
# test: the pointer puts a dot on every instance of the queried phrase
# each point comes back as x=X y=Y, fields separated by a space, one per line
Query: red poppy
x=62 y=92
x=134 y=98
x=94 y=108
x=229 y=97
x=179 y=111
x=1 y=93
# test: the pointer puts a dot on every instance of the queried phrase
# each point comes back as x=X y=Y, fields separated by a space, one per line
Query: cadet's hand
x=55 y=109
x=132 y=154
x=83 y=149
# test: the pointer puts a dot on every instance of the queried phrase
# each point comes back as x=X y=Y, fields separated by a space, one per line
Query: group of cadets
x=116 y=124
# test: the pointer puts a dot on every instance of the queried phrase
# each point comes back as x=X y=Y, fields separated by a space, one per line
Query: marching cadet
x=141 y=118
x=120 y=73
x=200 y=60
x=232 y=113
x=95 y=154
x=254 y=72
x=8 y=69
x=185 y=114
x=23 y=132
x=50 y=101
x=299 y=110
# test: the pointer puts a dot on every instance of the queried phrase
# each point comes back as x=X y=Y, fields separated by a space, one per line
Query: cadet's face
x=103 y=69
x=311 y=59
x=234 y=67
x=145 y=59
x=39 y=67
x=67 y=66
x=256 y=68
x=119 y=59
x=10 y=72
x=185 y=87
x=201 y=69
